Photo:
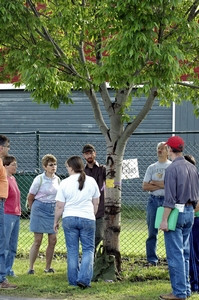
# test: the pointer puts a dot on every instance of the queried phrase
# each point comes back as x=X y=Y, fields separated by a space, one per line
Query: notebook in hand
x=172 y=220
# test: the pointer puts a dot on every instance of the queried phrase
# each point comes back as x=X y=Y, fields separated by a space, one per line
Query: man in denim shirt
x=181 y=185
x=154 y=183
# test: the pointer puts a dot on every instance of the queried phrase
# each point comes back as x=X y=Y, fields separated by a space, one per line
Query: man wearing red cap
x=181 y=185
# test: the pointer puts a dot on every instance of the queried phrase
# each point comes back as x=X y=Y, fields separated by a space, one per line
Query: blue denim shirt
x=181 y=183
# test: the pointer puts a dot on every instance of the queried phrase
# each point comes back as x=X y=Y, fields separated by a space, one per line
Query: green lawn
x=132 y=238
x=138 y=283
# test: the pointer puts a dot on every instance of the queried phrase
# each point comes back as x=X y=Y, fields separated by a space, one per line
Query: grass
x=138 y=283
x=132 y=237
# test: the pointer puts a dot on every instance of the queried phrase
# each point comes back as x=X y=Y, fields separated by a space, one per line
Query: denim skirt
x=42 y=217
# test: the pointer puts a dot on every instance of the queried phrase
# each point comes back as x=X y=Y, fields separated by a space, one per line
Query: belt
x=189 y=204
x=160 y=197
x=2 y=199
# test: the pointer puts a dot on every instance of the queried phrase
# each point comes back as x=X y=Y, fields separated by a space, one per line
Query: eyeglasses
x=51 y=165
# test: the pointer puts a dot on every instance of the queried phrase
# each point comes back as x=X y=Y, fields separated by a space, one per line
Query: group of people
x=175 y=184
x=79 y=199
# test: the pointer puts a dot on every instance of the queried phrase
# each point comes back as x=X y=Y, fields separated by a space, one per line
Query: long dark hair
x=77 y=164
x=190 y=158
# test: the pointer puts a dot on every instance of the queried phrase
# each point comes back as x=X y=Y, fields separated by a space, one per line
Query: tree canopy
x=59 y=45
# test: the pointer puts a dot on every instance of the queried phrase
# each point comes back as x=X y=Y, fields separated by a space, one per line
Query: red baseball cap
x=176 y=142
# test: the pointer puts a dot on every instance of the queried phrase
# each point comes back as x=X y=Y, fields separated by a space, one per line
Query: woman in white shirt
x=77 y=201
x=41 y=200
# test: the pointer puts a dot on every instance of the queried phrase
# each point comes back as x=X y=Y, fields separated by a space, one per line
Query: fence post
x=38 y=150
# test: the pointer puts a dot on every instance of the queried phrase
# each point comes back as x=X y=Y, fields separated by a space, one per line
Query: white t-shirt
x=78 y=203
x=156 y=171
x=45 y=188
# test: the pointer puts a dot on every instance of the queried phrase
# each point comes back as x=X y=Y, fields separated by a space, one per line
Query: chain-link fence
x=140 y=152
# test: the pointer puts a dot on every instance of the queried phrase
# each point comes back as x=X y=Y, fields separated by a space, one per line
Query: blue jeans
x=194 y=256
x=82 y=229
x=151 y=243
x=11 y=227
x=2 y=244
x=178 y=251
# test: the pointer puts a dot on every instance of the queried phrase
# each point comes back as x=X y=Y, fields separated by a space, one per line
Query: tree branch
x=80 y=48
x=58 y=51
x=97 y=111
x=105 y=95
x=45 y=35
x=162 y=26
x=193 y=11
x=188 y=85
x=122 y=95
x=98 y=48
x=131 y=127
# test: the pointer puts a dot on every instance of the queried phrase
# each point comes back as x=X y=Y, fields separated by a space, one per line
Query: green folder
x=197 y=214
x=172 y=220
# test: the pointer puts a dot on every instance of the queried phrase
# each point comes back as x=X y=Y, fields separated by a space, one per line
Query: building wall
x=19 y=113
x=187 y=121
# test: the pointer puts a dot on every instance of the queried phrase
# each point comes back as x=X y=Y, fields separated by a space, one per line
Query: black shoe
x=83 y=286
x=148 y=264
x=31 y=272
x=51 y=270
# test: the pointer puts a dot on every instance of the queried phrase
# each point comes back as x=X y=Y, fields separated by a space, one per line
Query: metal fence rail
x=29 y=148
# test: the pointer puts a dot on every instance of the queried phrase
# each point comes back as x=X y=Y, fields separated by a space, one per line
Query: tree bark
x=113 y=205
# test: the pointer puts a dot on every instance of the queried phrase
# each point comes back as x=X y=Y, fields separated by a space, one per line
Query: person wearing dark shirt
x=181 y=185
x=194 y=243
x=98 y=172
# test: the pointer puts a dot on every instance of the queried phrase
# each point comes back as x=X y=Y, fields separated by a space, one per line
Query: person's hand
x=164 y=226
x=56 y=227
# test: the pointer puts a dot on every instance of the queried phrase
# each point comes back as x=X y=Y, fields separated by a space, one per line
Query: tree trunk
x=116 y=139
x=113 y=206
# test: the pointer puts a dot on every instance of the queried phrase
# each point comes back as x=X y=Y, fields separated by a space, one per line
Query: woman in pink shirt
x=12 y=213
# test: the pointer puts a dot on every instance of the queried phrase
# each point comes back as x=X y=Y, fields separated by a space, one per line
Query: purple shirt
x=181 y=183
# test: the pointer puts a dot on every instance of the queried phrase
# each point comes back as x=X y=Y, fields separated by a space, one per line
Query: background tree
x=138 y=47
